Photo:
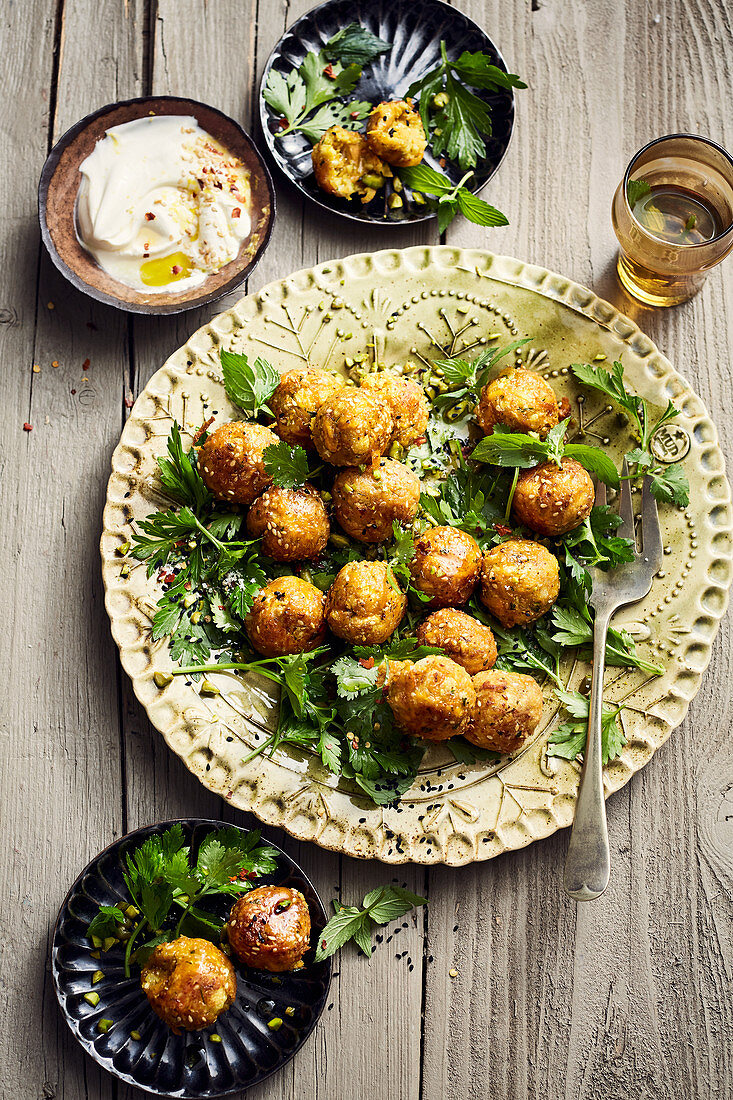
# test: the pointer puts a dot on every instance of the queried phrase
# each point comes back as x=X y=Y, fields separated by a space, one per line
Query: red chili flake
x=237 y=212
x=283 y=124
x=441 y=162
x=502 y=529
x=145 y=255
x=27 y=427
x=204 y=428
x=366 y=662
x=328 y=71
x=176 y=269
x=354 y=114
x=151 y=217
x=324 y=944
x=200 y=182
x=73 y=391
x=128 y=401
x=86 y=364
x=419 y=442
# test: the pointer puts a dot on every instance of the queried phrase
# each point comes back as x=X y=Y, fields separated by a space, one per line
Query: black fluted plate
x=415 y=27
x=189 y=1065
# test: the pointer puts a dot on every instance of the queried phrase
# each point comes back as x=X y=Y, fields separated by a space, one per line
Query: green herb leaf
x=106 y=922
x=179 y=473
x=452 y=197
x=288 y=466
x=296 y=95
x=380 y=906
x=352 y=678
x=635 y=190
x=568 y=740
x=669 y=484
x=250 y=386
x=354 y=44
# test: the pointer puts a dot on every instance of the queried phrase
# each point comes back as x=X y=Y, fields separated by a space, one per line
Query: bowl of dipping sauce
x=156 y=205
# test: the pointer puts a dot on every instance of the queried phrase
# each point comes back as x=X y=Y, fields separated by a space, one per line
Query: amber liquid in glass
x=677 y=215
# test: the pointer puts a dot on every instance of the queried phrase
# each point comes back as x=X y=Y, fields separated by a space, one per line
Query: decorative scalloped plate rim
x=430 y=825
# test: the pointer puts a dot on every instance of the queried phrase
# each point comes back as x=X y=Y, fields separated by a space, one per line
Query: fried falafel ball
x=552 y=499
x=345 y=164
x=298 y=397
x=367 y=502
x=407 y=402
x=465 y=640
x=293 y=523
x=396 y=133
x=286 y=617
x=365 y=604
x=231 y=462
x=269 y=928
x=189 y=983
x=352 y=428
x=446 y=566
x=432 y=698
x=520 y=400
x=520 y=581
x=507 y=711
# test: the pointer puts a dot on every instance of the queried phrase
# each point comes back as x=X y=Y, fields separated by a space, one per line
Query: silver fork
x=588 y=862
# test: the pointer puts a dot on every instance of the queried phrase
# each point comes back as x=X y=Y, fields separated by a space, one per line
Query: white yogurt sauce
x=162 y=204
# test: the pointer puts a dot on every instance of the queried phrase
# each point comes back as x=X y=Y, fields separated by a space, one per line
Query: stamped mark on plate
x=671 y=443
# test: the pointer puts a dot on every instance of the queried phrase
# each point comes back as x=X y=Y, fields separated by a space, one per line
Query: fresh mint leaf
x=635 y=190
x=478 y=211
x=106 y=922
x=356 y=45
x=249 y=385
x=451 y=197
x=350 y=922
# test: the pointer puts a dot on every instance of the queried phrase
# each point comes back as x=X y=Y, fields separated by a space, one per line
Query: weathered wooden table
x=629 y=996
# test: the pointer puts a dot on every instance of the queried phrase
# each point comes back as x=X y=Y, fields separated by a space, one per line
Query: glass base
x=655 y=290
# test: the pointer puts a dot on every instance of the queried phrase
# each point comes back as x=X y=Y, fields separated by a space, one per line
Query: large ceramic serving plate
x=424 y=303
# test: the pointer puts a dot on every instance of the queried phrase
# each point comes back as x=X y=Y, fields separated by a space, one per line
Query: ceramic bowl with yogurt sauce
x=156 y=205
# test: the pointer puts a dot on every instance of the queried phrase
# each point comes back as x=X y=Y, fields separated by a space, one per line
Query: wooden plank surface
x=629 y=997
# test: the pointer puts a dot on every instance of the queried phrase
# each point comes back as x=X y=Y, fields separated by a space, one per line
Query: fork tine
x=600 y=494
x=626 y=508
x=651 y=532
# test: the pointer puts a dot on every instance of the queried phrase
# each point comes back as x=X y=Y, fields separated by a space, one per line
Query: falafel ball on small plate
x=465 y=640
x=552 y=499
x=286 y=617
x=507 y=711
x=365 y=604
x=395 y=132
x=346 y=165
x=293 y=523
x=269 y=928
x=367 y=502
x=446 y=566
x=520 y=400
x=231 y=462
x=432 y=698
x=352 y=428
x=189 y=983
x=299 y=395
x=520 y=581
x=407 y=402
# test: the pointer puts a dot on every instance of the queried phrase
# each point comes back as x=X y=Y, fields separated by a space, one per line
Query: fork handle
x=588 y=862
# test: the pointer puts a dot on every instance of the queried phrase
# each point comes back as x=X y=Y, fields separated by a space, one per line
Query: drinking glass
x=673 y=216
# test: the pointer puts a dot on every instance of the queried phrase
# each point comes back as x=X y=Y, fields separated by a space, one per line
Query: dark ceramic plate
x=59 y=186
x=189 y=1065
x=415 y=27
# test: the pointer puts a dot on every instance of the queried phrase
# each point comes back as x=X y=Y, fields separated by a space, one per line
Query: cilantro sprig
x=311 y=98
x=568 y=740
x=668 y=482
x=352 y=922
x=463 y=119
x=452 y=198
x=166 y=887
x=286 y=465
